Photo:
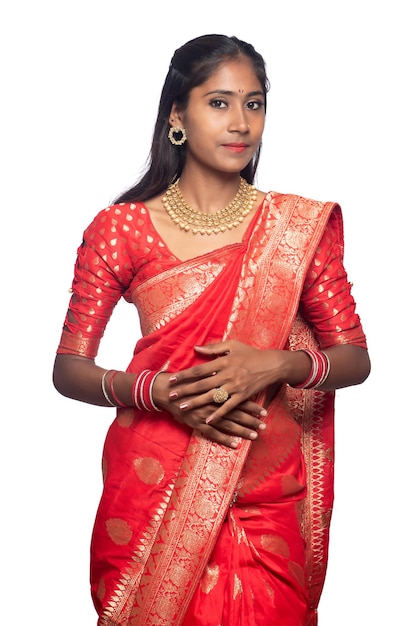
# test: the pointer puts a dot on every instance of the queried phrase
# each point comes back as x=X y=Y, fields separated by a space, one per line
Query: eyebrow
x=226 y=92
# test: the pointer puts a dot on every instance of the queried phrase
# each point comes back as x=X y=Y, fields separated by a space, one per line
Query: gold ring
x=220 y=395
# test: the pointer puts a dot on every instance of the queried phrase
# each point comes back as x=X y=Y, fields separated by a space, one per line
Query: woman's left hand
x=242 y=371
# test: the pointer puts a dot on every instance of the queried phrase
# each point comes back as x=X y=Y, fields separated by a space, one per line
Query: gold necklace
x=197 y=222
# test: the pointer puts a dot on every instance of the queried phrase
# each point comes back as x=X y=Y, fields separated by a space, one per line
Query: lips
x=236 y=147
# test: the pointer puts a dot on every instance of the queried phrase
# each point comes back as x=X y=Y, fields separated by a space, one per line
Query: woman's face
x=224 y=118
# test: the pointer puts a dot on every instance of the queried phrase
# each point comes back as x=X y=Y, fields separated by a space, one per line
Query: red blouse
x=121 y=249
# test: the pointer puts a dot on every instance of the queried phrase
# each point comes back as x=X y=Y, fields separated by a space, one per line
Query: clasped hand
x=240 y=370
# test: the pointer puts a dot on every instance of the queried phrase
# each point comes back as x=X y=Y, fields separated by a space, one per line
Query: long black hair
x=191 y=65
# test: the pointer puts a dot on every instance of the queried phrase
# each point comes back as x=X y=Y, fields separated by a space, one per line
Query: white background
x=80 y=86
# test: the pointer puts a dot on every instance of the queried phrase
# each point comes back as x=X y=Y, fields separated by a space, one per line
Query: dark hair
x=191 y=65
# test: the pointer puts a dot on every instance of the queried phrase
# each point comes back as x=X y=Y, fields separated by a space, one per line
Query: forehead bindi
x=234 y=77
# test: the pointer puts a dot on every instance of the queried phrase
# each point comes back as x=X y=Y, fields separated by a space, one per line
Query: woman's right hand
x=243 y=422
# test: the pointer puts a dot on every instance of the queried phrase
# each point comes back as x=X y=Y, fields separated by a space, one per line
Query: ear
x=175 y=118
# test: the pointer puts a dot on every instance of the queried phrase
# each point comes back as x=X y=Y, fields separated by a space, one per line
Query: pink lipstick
x=236 y=147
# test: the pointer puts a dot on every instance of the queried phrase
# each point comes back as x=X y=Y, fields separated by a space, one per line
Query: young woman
x=218 y=467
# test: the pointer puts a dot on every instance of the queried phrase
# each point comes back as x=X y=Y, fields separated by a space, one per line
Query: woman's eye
x=218 y=104
x=254 y=105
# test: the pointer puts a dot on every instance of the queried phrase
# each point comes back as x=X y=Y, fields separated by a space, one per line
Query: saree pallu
x=188 y=531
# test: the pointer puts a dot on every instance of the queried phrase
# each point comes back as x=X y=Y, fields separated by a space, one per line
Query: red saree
x=187 y=531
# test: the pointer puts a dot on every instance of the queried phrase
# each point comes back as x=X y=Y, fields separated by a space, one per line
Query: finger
x=245 y=419
x=250 y=408
x=240 y=418
x=226 y=408
x=213 y=349
x=236 y=430
x=197 y=400
x=225 y=432
x=198 y=388
x=219 y=437
x=197 y=372
x=194 y=419
x=247 y=414
x=186 y=400
x=223 y=438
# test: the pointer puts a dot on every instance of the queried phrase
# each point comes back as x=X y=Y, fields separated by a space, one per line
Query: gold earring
x=177 y=135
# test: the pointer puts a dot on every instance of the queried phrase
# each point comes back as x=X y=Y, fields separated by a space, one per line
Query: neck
x=208 y=193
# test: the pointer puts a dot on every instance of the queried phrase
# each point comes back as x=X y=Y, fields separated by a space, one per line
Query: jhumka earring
x=177 y=135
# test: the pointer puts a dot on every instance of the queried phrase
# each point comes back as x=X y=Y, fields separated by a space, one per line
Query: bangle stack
x=109 y=390
x=319 y=370
x=142 y=391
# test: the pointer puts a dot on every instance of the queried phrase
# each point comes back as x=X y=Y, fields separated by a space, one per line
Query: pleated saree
x=189 y=532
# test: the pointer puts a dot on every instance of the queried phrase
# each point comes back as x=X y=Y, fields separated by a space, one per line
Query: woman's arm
x=244 y=371
x=349 y=365
x=81 y=379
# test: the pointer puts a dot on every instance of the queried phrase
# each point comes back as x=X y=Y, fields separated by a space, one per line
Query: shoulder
x=290 y=202
x=120 y=211
x=293 y=198
x=118 y=217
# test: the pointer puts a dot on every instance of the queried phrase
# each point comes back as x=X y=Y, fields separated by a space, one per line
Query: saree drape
x=188 y=531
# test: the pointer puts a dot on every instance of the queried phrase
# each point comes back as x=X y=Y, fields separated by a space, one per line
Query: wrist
x=142 y=391
x=319 y=368
x=296 y=367
x=116 y=388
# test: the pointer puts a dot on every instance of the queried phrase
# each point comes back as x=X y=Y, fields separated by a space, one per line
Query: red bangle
x=109 y=400
x=320 y=368
x=118 y=402
x=142 y=391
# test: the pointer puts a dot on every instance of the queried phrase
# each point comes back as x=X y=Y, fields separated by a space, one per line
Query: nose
x=238 y=121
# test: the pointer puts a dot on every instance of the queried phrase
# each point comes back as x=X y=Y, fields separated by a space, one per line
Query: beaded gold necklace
x=197 y=222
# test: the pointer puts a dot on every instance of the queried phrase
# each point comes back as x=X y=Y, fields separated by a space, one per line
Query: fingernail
x=173 y=395
x=263 y=413
x=253 y=435
x=234 y=443
x=262 y=426
x=184 y=406
x=173 y=379
x=209 y=419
